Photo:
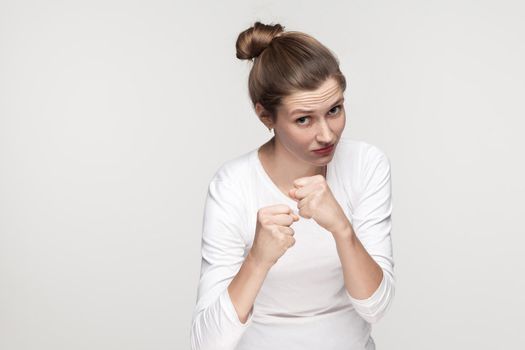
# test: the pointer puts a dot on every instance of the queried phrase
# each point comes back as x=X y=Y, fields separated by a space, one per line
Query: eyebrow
x=299 y=110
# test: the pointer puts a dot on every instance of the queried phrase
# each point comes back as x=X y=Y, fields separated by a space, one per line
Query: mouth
x=325 y=150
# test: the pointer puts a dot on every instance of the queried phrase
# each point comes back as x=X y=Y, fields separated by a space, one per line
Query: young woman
x=296 y=246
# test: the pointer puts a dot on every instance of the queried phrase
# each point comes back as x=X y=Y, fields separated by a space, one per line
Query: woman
x=296 y=246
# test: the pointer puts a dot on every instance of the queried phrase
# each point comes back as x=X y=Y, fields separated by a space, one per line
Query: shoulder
x=232 y=178
x=361 y=164
x=358 y=156
x=229 y=187
x=234 y=170
x=359 y=150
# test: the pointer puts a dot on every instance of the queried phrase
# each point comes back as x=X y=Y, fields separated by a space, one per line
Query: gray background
x=116 y=114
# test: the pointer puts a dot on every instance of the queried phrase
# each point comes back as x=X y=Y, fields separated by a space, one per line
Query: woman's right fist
x=273 y=234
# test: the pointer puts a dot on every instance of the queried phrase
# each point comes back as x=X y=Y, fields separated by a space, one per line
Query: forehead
x=328 y=93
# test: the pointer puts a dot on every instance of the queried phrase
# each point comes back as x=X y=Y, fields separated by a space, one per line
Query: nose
x=325 y=135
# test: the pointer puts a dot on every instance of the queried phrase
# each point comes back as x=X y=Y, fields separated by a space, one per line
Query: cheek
x=343 y=123
x=338 y=124
x=302 y=139
x=299 y=140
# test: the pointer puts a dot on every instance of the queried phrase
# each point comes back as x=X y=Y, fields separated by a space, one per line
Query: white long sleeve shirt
x=303 y=303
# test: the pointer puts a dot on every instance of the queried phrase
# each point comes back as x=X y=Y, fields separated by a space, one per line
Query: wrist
x=344 y=232
x=257 y=265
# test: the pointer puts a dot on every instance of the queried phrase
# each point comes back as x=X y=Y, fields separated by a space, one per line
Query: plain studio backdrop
x=114 y=116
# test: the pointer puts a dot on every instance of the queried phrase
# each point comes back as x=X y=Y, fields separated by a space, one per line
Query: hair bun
x=254 y=40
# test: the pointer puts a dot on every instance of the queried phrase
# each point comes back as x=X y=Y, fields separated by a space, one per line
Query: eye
x=335 y=110
x=299 y=120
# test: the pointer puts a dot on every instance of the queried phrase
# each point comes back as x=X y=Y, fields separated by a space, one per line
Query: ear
x=263 y=115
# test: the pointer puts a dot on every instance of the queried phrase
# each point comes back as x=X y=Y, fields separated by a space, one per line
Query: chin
x=320 y=161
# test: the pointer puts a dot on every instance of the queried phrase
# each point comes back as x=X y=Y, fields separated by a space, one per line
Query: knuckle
x=260 y=214
x=275 y=231
x=266 y=221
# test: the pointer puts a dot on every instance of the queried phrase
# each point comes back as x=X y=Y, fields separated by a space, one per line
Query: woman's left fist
x=315 y=200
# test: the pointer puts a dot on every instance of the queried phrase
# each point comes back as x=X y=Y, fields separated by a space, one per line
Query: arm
x=245 y=286
x=365 y=247
x=362 y=275
x=216 y=323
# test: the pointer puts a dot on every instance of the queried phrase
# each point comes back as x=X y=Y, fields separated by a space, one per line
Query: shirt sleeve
x=215 y=323
x=372 y=224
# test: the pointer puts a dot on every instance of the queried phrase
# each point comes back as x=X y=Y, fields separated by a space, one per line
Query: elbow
x=374 y=316
x=375 y=308
x=197 y=337
x=194 y=339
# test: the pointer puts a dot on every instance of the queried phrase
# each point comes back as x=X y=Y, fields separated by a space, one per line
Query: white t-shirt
x=303 y=303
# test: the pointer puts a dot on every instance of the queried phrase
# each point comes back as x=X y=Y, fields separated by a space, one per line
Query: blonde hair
x=284 y=63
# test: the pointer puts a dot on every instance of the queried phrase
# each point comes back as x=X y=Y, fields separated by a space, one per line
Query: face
x=310 y=120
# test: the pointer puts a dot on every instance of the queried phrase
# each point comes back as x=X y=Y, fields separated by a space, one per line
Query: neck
x=284 y=167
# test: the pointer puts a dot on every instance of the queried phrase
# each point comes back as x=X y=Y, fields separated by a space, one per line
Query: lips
x=325 y=151
x=325 y=148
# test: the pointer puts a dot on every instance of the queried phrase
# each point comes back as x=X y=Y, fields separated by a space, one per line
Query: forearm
x=362 y=275
x=245 y=286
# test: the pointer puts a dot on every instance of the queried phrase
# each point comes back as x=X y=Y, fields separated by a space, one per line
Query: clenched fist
x=273 y=234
